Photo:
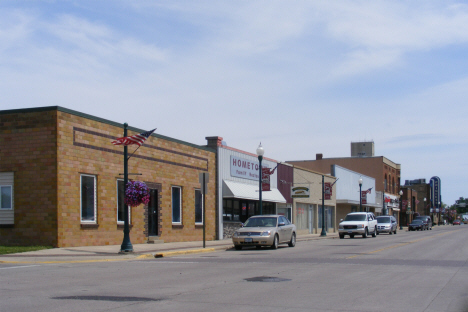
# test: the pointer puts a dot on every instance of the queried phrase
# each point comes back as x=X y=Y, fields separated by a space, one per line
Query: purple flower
x=137 y=193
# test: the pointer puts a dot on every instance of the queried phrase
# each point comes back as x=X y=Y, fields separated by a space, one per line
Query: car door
x=394 y=224
x=372 y=222
x=289 y=229
x=283 y=230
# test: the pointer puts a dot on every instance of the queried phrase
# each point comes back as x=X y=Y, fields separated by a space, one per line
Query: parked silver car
x=386 y=224
x=265 y=230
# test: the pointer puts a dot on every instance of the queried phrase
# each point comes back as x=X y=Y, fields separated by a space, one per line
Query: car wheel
x=394 y=232
x=341 y=236
x=375 y=232
x=275 y=242
x=365 y=233
x=351 y=235
x=390 y=232
x=292 y=242
x=258 y=247
x=238 y=247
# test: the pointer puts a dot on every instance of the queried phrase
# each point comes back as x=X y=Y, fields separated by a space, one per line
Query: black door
x=153 y=213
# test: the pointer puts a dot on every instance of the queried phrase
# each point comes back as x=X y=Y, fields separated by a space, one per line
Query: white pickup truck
x=358 y=223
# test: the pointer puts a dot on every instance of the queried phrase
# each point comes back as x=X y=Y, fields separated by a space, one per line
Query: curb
x=175 y=253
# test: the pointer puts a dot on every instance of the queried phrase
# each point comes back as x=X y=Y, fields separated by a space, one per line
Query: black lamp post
x=360 y=194
x=126 y=244
x=260 y=152
x=323 y=233
x=424 y=208
x=401 y=210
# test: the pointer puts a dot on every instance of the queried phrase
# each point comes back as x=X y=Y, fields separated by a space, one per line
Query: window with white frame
x=176 y=205
x=88 y=198
x=121 y=203
x=198 y=207
x=6 y=197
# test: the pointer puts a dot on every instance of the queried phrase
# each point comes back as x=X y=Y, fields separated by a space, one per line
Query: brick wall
x=49 y=148
x=28 y=148
x=84 y=147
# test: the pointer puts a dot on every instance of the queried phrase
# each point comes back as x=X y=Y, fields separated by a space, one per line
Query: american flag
x=369 y=191
x=137 y=139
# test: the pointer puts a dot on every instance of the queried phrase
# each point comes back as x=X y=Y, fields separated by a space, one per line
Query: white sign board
x=244 y=168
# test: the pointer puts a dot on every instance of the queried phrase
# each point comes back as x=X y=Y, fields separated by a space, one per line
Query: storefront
x=238 y=187
x=307 y=194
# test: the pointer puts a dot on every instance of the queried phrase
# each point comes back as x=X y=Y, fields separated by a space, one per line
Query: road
x=410 y=271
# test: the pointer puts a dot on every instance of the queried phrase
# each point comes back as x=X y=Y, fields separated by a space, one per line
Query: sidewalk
x=140 y=251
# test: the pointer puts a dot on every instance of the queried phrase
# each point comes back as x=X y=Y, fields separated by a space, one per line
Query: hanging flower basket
x=137 y=193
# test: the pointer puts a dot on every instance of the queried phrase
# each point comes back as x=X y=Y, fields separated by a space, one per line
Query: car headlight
x=266 y=233
x=360 y=226
x=340 y=227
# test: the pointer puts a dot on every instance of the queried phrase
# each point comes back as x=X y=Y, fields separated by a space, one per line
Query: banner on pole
x=364 y=197
x=328 y=190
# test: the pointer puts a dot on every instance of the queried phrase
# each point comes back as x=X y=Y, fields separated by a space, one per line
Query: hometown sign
x=244 y=168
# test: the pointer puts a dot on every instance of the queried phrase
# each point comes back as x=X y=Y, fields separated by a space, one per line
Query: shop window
x=227 y=210
x=236 y=210
x=6 y=197
x=329 y=217
x=198 y=207
x=176 y=205
x=302 y=216
x=121 y=202
x=88 y=198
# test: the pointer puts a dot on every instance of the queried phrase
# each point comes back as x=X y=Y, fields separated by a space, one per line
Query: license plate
x=247 y=240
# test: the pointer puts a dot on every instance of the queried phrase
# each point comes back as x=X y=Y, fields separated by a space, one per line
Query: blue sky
x=302 y=77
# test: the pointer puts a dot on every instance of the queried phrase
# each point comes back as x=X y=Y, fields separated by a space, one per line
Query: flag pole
x=126 y=244
x=133 y=152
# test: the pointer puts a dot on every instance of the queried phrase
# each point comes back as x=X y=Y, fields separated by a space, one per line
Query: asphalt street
x=410 y=271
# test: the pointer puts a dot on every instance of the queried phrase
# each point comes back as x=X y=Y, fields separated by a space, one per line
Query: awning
x=248 y=191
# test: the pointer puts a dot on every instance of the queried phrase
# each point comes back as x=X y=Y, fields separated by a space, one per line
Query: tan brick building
x=60 y=177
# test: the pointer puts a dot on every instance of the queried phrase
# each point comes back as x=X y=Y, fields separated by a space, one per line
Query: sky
x=301 y=77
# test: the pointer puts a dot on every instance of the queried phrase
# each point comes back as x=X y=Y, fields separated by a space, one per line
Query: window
x=88 y=198
x=5 y=197
x=176 y=205
x=121 y=202
x=198 y=207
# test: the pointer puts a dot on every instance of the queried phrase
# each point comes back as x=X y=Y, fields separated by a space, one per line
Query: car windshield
x=261 y=222
x=417 y=221
x=357 y=217
x=383 y=219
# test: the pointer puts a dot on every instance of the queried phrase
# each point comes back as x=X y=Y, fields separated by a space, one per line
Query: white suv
x=360 y=223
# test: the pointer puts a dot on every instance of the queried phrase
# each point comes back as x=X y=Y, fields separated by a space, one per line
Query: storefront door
x=153 y=213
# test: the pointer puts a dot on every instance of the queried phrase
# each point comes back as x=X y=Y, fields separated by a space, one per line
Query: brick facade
x=55 y=146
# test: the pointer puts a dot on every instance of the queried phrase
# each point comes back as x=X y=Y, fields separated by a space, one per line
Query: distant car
x=456 y=222
x=358 y=223
x=265 y=230
x=417 y=225
x=426 y=220
x=386 y=224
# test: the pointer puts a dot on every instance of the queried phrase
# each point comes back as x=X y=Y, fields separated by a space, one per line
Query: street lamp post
x=438 y=219
x=323 y=233
x=260 y=152
x=126 y=244
x=360 y=194
x=425 y=212
x=401 y=210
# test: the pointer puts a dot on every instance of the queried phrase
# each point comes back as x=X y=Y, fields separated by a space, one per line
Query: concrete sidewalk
x=140 y=251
